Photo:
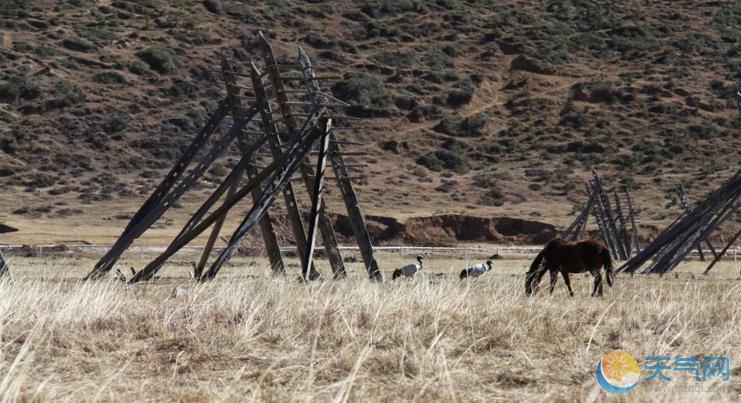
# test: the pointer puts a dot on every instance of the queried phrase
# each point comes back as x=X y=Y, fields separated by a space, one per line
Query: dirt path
x=496 y=102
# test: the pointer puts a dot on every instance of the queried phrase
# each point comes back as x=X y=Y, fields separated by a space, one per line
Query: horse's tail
x=607 y=261
x=532 y=275
x=396 y=274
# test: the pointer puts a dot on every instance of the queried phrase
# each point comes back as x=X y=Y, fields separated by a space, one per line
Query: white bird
x=476 y=270
x=409 y=270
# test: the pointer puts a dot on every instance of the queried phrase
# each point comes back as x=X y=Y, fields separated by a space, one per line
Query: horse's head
x=535 y=274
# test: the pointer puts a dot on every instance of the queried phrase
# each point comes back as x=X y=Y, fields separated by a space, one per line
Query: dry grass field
x=248 y=336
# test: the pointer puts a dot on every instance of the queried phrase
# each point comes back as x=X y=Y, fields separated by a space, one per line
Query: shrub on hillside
x=20 y=87
x=109 y=77
x=472 y=126
x=159 y=59
x=13 y=8
x=444 y=159
x=461 y=95
x=368 y=95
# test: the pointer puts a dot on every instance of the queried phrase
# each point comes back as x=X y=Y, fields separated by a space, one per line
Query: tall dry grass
x=431 y=338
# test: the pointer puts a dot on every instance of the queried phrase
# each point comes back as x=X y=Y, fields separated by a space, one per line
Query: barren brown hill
x=479 y=107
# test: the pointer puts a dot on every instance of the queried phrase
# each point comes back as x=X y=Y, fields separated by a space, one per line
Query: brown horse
x=570 y=257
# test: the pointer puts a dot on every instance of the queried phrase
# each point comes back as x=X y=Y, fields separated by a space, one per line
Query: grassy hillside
x=477 y=107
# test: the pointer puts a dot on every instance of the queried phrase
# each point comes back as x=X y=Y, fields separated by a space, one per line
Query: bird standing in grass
x=409 y=270
x=476 y=270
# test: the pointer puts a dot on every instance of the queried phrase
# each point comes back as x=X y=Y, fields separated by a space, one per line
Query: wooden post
x=631 y=211
x=316 y=201
x=611 y=227
x=722 y=252
x=266 y=226
x=685 y=204
x=623 y=235
x=354 y=214
x=276 y=149
x=325 y=222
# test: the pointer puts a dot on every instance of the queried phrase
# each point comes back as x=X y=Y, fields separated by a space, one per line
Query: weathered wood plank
x=722 y=252
x=316 y=200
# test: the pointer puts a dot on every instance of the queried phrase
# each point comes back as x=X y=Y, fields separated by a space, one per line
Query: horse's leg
x=567 y=280
x=554 y=278
x=597 y=284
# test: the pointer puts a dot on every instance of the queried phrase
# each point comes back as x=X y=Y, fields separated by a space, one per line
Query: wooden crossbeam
x=722 y=252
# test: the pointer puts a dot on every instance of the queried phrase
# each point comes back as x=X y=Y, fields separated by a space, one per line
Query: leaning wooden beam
x=685 y=204
x=354 y=214
x=297 y=150
x=670 y=261
x=179 y=168
x=574 y=229
x=266 y=226
x=722 y=252
x=687 y=222
x=289 y=120
x=316 y=201
x=154 y=213
x=195 y=219
x=276 y=150
x=288 y=165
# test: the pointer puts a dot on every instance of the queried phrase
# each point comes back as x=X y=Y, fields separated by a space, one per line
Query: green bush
x=444 y=159
x=395 y=59
x=214 y=6
x=461 y=95
x=472 y=126
x=109 y=77
x=65 y=94
x=78 y=45
x=369 y=96
x=13 y=8
x=159 y=59
x=20 y=87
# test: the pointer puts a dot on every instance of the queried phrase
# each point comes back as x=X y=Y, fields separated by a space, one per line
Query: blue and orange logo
x=618 y=372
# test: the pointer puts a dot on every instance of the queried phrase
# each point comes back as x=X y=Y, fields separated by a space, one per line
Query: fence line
x=526 y=251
